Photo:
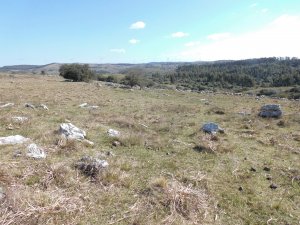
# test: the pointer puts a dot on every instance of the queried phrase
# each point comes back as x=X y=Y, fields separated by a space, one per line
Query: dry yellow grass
x=165 y=171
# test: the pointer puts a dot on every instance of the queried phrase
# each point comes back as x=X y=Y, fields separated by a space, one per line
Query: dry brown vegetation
x=165 y=170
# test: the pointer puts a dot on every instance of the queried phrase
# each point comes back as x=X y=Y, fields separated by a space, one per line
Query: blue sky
x=132 y=31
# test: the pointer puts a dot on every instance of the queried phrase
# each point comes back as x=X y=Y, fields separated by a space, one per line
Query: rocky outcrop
x=270 y=111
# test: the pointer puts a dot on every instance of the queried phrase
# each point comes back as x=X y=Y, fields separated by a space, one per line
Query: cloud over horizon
x=138 y=25
x=277 y=39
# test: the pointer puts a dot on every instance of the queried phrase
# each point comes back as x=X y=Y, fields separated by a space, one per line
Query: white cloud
x=253 y=5
x=264 y=10
x=138 y=25
x=278 y=38
x=218 y=36
x=118 y=50
x=179 y=35
x=134 y=41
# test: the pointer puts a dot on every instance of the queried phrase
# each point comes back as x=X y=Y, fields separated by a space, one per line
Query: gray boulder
x=13 y=140
x=212 y=128
x=270 y=111
x=90 y=166
x=71 y=132
x=33 y=151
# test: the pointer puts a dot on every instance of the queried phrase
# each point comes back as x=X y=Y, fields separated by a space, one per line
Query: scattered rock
x=273 y=186
x=270 y=111
x=241 y=188
x=6 y=105
x=34 y=151
x=116 y=143
x=13 y=140
x=90 y=166
x=28 y=105
x=43 y=106
x=86 y=106
x=212 y=128
x=83 y=105
x=252 y=169
x=267 y=169
x=113 y=133
x=72 y=132
x=19 y=119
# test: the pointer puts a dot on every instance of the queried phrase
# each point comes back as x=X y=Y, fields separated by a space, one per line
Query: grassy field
x=166 y=170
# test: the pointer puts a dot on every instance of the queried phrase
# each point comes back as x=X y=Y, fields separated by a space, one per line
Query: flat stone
x=211 y=128
x=270 y=111
x=35 y=152
x=72 y=132
x=13 y=140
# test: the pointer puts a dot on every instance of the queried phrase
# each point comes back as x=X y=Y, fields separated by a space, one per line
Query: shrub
x=76 y=72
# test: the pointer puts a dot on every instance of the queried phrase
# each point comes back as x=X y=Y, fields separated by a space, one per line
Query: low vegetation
x=162 y=169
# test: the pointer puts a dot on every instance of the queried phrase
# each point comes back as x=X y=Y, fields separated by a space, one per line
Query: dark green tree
x=76 y=72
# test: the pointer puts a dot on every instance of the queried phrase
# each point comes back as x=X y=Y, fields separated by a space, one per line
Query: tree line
x=263 y=72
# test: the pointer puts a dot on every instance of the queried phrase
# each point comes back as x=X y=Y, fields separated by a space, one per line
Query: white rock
x=43 y=106
x=72 y=132
x=113 y=133
x=83 y=105
x=28 y=105
x=34 y=151
x=7 y=105
x=13 y=140
x=19 y=119
x=86 y=106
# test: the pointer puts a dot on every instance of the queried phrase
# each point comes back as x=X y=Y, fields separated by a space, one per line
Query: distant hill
x=53 y=68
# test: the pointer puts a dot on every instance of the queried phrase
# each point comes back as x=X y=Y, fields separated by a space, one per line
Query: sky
x=139 y=31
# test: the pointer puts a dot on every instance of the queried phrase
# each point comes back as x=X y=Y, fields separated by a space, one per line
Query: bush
x=76 y=72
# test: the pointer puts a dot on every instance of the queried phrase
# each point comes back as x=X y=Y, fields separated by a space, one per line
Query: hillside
x=160 y=169
x=52 y=69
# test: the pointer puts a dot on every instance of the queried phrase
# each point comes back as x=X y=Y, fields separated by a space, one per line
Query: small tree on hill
x=76 y=72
